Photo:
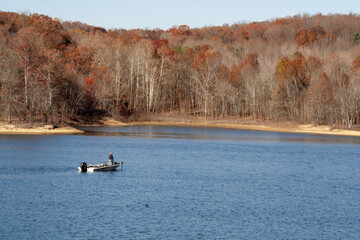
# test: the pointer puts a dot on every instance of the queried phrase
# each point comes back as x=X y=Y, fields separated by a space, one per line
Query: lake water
x=180 y=183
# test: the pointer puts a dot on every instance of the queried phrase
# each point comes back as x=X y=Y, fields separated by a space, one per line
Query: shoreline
x=302 y=129
x=7 y=129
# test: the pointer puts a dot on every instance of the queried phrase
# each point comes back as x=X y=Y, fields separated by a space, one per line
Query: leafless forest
x=302 y=69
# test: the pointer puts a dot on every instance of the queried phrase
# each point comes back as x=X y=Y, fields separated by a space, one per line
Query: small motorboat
x=110 y=166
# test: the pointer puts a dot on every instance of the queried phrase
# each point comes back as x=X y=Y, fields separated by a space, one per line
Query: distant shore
x=305 y=129
x=288 y=128
x=109 y=122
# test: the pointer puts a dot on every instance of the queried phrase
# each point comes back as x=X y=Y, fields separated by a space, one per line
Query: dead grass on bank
x=35 y=129
x=112 y=122
x=45 y=130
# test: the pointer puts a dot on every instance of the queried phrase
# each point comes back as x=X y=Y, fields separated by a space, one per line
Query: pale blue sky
x=163 y=14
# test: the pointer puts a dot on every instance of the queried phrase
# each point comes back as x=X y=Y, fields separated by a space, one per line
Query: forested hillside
x=303 y=69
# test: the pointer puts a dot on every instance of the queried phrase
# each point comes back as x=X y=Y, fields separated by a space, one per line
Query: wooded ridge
x=303 y=69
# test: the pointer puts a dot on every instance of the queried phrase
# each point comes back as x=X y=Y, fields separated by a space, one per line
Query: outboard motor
x=83 y=167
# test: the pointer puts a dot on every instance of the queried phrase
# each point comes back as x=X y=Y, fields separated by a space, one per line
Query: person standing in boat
x=111 y=158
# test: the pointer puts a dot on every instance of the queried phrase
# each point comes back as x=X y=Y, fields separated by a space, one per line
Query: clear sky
x=164 y=14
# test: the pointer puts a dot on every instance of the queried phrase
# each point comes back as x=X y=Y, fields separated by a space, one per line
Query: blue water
x=180 y=183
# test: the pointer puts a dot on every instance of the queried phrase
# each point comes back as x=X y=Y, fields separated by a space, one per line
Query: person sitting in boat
x=111 y=159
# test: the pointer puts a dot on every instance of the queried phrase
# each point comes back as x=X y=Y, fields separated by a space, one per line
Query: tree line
x=303 y=69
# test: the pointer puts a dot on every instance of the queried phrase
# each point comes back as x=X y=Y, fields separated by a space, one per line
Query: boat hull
x=101 y=167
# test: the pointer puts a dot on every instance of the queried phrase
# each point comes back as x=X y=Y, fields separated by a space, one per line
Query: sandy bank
x=22 y=129
x=109 y=122
x=307 y=129
x=44 y=130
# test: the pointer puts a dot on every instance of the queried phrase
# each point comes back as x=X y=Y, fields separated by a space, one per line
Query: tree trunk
x=26 y=85
x=9 y=107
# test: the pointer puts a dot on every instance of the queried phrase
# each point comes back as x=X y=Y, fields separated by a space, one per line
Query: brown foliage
x=356 y=64
x=161 y=48
x=52 y=31
x=81 y=58
x=324 y=89
x=234 y=75
x=309 y=36
x=321 y=98
x=293 y=71
x=204 y=54
x=313 y=63
x=181 y=31
x=251 y=59
x=305 y=37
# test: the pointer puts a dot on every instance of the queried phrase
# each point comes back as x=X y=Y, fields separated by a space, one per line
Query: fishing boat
x=110 y=166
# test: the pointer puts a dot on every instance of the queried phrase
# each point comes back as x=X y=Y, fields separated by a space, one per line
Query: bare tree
x=9 y=81
x=205 y=74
